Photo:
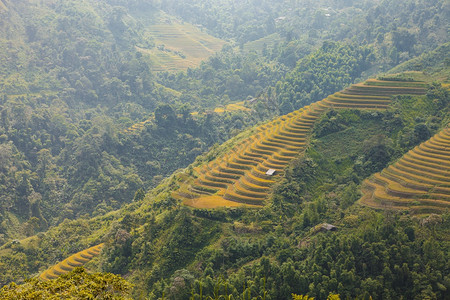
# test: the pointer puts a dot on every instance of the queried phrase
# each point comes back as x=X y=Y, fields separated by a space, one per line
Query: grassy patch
x=238 y=106
x=349 y=141
x=414 y=107
x=270 y=41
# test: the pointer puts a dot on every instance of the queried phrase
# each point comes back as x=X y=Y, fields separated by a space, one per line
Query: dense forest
x=95 y=137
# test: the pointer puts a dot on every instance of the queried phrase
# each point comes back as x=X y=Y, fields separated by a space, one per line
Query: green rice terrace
x=245 y=175
x=419 y=181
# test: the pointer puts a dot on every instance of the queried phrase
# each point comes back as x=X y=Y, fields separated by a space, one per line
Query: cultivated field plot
x=180 y=45
x=418 y=182
x=238 y=106
x=245 y=175
x=269 y=42
x=137 y=127
x=77 y=260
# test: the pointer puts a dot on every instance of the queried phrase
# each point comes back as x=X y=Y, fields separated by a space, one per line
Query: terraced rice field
x=239 y=177
x=67 y=265
x=238 y=106
x=180 y=45
x=268 y=41
x=136 y=128
x=418 y=182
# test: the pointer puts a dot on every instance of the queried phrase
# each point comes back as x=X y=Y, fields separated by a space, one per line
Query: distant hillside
x=179 y=45
x=3 y=6
x=66 y=66
x=30 y=34
x=433 y=61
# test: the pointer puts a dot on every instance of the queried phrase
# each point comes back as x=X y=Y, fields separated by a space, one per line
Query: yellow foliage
x=301 y=297
x=77 y=284
x=305 y=297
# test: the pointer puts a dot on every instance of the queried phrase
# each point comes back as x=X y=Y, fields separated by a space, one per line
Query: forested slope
x=280 y=249
x=399 y=30
x=74 y=75
x=71 y=81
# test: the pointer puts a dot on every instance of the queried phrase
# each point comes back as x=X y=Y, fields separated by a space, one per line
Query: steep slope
x=240 y=176
x=419 y=181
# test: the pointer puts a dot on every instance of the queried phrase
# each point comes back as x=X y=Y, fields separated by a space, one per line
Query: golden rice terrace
x=77 y=260
x=418 y=182
x=244 y=175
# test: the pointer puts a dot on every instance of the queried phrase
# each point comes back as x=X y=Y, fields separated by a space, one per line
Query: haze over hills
x=135 y=137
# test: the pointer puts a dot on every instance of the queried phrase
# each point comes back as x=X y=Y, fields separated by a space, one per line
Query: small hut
x=324 y=227
x=270 y=172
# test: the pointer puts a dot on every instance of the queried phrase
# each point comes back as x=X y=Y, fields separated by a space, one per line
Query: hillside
x=319 y=186
x=74 y=77
x=179 y=45
x=433 y=62
x=240 y=176
x=210 y=149
x=71 y=82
